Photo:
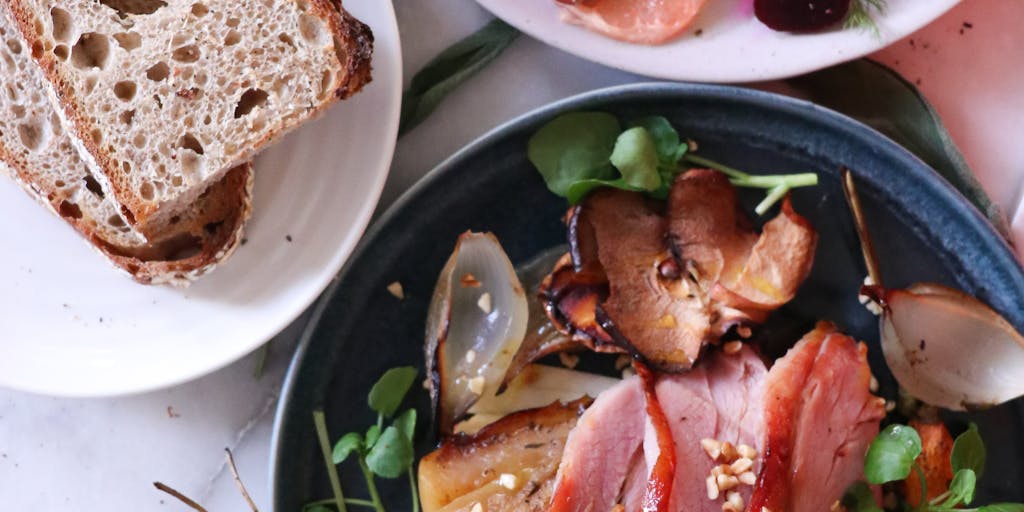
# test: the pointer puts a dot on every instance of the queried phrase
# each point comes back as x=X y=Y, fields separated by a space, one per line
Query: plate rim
x=696 y=74
x=346 y=248
x=930 y=178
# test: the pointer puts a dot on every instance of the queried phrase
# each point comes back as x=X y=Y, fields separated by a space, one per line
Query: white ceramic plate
x=733 y=45
x=70 y=325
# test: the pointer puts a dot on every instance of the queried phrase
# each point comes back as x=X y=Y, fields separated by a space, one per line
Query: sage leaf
x=574 y=147
x=879 y=97
x=451 y=68
x=349 y=443
x=389 y=391
x=636 y=157
x=891 y=454
x=392 y=454
x=969 y=451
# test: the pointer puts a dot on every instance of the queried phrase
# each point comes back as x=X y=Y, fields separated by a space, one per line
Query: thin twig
x=320 y=421
x=867 y=248
x=181 y=497
x=238 y=480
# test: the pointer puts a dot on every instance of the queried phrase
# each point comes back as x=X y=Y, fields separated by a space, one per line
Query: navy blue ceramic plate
x=924 y=231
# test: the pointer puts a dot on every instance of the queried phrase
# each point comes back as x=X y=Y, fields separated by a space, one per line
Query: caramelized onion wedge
x=949 y=349
x=475 y=324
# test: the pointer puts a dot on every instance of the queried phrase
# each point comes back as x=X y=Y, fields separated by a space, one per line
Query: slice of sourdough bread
x=164 y=96
x=37 y=153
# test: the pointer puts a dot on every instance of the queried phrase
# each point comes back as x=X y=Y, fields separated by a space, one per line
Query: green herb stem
x=330 y=501
x=771 y=198
x=788 y=180
x=924 y=487
x=415 y=491
x=371 y=486
x=778 y=185
x=722 y=168
x=325 y=447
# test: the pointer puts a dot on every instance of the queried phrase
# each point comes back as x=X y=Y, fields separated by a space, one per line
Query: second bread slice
x=163 y=97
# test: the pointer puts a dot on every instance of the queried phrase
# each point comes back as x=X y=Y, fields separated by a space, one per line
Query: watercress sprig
x=384 y=451
x=893 y=455
x=578 y=152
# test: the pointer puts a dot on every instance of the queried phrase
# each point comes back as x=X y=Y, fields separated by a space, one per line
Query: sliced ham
x=820 y=418
x=720 y=400
x=599 y=450
x=809 y=420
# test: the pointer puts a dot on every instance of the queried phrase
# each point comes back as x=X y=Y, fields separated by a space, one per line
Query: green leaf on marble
x=879 y=97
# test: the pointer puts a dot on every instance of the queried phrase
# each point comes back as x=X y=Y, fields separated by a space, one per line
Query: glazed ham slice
x=820 y=418
x=809 y=421
x=609 y=457
x=599 y=450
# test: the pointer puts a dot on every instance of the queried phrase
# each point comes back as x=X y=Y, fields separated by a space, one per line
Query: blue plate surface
x=923 y=229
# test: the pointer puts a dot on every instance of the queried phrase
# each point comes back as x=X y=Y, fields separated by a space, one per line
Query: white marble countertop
x=103 y=454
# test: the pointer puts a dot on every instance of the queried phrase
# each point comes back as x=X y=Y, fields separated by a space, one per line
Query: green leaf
x=1002 y=507
x=969 y=451
x=372 y=435
x=389 y=391
x=451 y=68
x=666 y=139
x=636 y=157
x=317 y=508
x=574 y=147
x=891 y=455
x=882 y=99
x=577 y=191
x=351 y=442
x=392 y=454
x=406 y=424
x=961 y=489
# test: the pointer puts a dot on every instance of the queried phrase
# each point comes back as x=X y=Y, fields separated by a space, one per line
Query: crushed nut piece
x=729 y=452
x=744 y=331
x=726 y=482
x=748 y=478
x=733 y=498
x=732 y=347
x=507 y=480
x=470 y=355
x=873 y=386
x=395 y=289
x=747 y=451
x=712 y=447
x=741 y=465
x=476 y=385
x=712 y=488
x=477 y=507
x=836 y=505
x=568 y=360
x=484 y=302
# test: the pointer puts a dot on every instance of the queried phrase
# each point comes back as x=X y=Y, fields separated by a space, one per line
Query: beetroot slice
x=800 y=15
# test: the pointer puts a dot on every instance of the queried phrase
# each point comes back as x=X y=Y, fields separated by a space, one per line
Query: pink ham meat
x=598 y=451
x=819 y=420
x=609 y=455
x=810 y=419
